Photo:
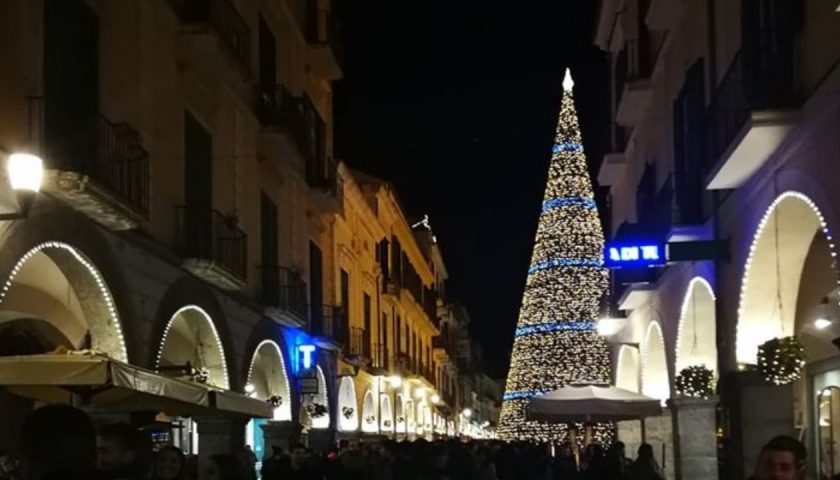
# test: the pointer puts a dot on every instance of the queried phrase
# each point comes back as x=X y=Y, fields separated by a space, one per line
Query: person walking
x=65 y=453
x=782 y=458
x=170 y=464
x=645 y=466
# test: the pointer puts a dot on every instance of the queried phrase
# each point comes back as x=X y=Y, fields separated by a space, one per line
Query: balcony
x=749 y=118
x=612 y=169
x=663 y=14
x=322 y=178
x=213 y=246
x=632 y=83
x=281 y=116
x=211 y=23
x=321 y=35
x=107 y=178
x=380 y=357
x=359 y=345
x=284 y=296
x=391 y=285
x=330 y=323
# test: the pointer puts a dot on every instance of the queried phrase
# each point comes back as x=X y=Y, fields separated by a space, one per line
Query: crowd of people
x=60 y=442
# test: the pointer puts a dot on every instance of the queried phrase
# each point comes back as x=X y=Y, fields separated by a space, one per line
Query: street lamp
x=395 y=381
x=25 y=171
x=435 y=399
x=467 y=412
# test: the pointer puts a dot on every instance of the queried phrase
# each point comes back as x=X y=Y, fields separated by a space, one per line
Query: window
x=690 y=158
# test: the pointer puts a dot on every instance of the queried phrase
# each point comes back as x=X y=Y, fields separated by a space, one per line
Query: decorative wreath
x=696 y=381
x=316 y=410
x=780 y=360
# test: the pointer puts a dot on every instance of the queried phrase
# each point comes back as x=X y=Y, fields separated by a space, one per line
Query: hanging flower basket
x=347 y=412
x=275 y=401
x=316 y=410
x=370 y=419
x=696 y=381
x=200 y=375
x=780 y=360
x=386 y=424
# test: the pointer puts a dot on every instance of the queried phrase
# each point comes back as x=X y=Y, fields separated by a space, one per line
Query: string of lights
x=556 y=341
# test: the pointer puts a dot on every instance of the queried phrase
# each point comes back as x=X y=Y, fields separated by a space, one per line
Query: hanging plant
x=275 y=401
x=696 y=381
x=316 y=410
x=780 y=360
x=400 y=419
x=386 y=423
x=370 y=419
x=200 y=375
x=347 y=412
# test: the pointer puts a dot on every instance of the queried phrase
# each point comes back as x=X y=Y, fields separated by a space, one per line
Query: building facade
x=193 y=222
x=722 y=149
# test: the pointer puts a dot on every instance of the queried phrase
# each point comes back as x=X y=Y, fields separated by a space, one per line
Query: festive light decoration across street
x=556 y=340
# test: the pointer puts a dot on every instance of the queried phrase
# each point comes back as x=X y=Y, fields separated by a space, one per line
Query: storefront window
x=829 y=430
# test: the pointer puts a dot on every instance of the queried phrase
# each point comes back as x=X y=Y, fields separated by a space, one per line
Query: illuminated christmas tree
x=556 y=341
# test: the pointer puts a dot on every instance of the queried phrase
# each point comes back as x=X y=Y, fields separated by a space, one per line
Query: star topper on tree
x=556 y=341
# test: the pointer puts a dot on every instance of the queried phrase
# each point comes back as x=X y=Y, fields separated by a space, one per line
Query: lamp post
x=26 y=172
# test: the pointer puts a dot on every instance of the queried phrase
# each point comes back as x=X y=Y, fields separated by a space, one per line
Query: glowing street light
x=436 y=399
x=26 y=172
x=467 y=412
x=395 y=381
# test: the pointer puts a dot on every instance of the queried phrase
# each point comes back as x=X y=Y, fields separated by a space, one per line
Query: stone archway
x=401 y=420
x=655 y=381
x=57 y=284
x=348 y=410
x=369 y=417
x=628 y=369
x=773 y=271
x=191 y=337
x=696 y=337
x=321 y=398
x=386 y=414
x=268 y=377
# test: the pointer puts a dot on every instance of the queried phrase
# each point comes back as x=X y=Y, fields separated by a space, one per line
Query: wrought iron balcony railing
x=282 y=287
x=204 y=233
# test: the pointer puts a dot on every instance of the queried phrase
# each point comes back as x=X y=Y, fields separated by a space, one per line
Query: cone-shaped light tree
x=556 y=342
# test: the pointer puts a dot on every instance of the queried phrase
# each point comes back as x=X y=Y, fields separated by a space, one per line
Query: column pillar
x=321 y=440
x=280 y=434
x=630 y=432
x=695 y=440
x=220 y=435
x=659 y=434
x=757 y=411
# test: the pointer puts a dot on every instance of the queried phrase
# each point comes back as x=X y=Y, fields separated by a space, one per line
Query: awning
x=101 y=383
x=237 y=404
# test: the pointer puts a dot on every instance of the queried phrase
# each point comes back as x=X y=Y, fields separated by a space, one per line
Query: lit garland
x=553 y=203
x=556 y=340
x=696 y=381
x=554 y=327
x=780 y=360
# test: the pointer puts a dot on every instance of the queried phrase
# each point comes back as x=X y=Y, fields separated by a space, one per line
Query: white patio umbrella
x=592 y=403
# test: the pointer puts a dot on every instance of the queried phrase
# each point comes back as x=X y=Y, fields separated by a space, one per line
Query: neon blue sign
x=644 y=255
x=306 y=352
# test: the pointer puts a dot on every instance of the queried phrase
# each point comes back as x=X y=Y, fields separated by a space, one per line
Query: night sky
x=456 y=104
